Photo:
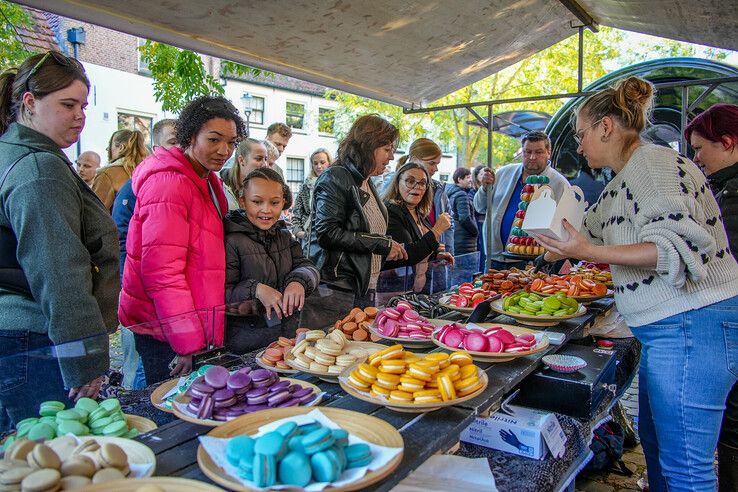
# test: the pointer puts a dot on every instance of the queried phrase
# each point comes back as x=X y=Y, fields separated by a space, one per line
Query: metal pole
x=685 y=110
x=580 y=63
x=488 y=216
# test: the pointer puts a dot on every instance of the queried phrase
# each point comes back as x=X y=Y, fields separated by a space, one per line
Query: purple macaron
x=281 y=385
x=239 y=382
x=292 y=402
x=261 y=378
x=278 y=397
x=217 y=377
x=302 y=392
x=257 y=396
x=205 y=411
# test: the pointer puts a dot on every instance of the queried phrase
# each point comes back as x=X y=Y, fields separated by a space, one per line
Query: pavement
x=633 y=458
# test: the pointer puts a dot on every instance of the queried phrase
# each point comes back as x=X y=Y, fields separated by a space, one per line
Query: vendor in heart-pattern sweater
x=676 y=282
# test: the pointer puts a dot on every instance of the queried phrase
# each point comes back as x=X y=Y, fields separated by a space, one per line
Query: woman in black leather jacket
x=714 y=137
x=348 y=231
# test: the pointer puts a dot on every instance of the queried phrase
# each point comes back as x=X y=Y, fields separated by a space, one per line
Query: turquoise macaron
x=306 y=429
x=295 y=469
x=295 y=444
x=325 y=465
x=341 y=437
x=265 y=470
x=318 y=440
x=341 y=456
x=239 y=447
x=288 y=430
x=270 y=444
x=358 y=455
x=246 y=468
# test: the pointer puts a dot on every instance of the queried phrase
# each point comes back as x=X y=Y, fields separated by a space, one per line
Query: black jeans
x=326 y=305
x=29 y=375
x=155 y=356
x=245 y=334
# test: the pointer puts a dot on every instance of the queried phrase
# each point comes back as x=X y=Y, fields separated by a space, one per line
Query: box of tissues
x=544 y=215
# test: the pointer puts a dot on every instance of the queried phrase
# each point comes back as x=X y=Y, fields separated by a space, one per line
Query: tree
x=12 y=49
x=180 y=75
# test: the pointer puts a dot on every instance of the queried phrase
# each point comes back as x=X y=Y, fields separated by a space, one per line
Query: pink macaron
x=476 y=342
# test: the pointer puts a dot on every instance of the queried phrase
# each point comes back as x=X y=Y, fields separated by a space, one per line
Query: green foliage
x=180 y=75
x=12 y=49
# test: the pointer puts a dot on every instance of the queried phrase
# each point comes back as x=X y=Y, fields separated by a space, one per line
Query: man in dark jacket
x=462 y=208
x=123 y=206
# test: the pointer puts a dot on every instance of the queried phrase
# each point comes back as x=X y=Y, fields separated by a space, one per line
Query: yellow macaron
x=388 y=381
x=461 y=359
x=393 y=366
x=400 y=397
x=446 y=387
x=427 y=396
x=468 y=371
x=471 y=389
x=368 y=372
x=377 y=391
x=440 y=357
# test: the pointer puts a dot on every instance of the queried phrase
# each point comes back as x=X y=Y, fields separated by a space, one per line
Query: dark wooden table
x=175 y=444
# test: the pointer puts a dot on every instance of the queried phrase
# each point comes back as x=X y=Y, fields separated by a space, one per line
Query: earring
x=603 y=138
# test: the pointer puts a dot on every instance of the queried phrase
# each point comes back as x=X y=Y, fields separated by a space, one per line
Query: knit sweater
x=662 y=198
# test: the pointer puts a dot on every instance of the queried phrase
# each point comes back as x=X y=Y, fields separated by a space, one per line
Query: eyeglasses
x=60 y=59
x=579 y=136
x=412 y=184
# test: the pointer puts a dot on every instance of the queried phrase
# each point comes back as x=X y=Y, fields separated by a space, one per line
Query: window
x=326 y=118
x=295 y=115
x=295 y=174
x=143 y=66
x=257 y=110
x=128 y=121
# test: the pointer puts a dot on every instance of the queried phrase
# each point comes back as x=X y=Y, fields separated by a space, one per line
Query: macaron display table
x=175 y=443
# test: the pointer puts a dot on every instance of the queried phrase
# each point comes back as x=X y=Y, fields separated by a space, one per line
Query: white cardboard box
x=528 y=432
x=543 y=215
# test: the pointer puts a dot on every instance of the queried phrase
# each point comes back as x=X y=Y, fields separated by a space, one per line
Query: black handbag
x=11 y=273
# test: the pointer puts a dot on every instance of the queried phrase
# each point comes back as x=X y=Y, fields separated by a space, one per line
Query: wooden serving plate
x=368 y=428
x=157 y=396
x=407 y=407
x=499 y=356
x=529 y=320
x=443 y=302
x=185 y=399
x=167 y=484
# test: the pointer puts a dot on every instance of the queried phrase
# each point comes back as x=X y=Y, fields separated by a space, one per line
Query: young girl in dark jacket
x=267 y=276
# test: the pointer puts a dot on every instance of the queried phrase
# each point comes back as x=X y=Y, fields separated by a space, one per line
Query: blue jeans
x=29 y=375
x=689 y=362
x=134 y=377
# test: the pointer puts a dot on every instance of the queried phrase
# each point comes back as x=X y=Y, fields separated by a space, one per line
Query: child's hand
x=271 y=299
x=293 y=298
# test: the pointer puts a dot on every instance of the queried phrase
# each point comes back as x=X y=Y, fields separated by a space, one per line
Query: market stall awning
x=408 y=53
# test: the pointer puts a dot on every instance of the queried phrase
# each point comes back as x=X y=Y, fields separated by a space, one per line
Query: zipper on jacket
x=335 y=269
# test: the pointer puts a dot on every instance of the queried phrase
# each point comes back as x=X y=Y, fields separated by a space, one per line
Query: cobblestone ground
x=633 y=458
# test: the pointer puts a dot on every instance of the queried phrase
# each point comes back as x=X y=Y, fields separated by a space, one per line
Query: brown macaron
x=20 y=450
x=90 y=445
x=107 y=475
x=74 y=482
x=112 y=456
x=43 y=456
x=80 y=465
x=46 y=480
x=63 y=446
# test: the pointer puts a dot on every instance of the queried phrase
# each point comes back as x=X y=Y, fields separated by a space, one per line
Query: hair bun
x=635 y=91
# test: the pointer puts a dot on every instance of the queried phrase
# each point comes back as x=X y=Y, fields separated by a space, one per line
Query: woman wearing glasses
x=58 y=302
x=175 y=264
x=408 y=199
x=659 y=227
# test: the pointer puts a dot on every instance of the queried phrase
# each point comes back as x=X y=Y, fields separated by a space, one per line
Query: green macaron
x=111 y=404
x=70 y=414
x=72 y=427
x=115 y=429
x=50 y=408
x=41 y=431
x=87 y=404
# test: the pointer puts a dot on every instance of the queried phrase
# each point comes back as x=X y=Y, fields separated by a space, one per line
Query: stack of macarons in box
x=87 y=417
x=403 y=321
x=295 y=455
x=397 y=376
x=325 y=354
x=221 y=395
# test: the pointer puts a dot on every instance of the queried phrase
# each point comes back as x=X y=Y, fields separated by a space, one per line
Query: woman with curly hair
x=126 y=150
x=176 y=255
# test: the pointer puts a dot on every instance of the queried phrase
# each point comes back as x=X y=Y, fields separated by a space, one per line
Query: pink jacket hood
x=174 y=276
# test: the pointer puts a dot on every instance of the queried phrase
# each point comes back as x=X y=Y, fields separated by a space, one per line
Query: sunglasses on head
x=60 y=59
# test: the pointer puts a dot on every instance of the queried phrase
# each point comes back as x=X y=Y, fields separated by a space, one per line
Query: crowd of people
x=182 y=253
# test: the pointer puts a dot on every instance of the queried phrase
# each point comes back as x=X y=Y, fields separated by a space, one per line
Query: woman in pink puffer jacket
x=174 y=277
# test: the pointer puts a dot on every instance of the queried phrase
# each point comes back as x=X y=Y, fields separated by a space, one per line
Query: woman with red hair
x=714 y=138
